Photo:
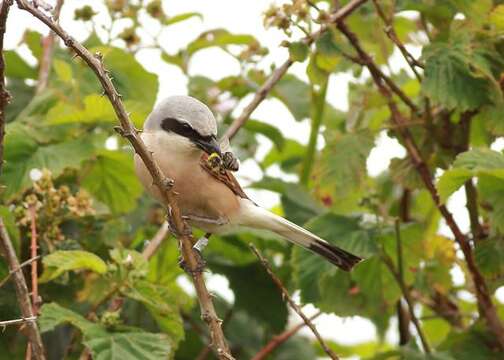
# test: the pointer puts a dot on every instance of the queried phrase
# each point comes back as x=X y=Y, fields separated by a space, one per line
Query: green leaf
x=295 y=94
x=344 y=232
x=52 y=315
x=298 y=51
x=132 y=345
x=257 y=290
x=96 y=109
x=480 y=159
x=34 y=41
x=452 y=78
x=403 y=172
x=10 y=224
x=220 y=38
x=328 y=53
x=137 y=86
x=164 y=303
x=497 y=17
x=16 y=67
x=489 y=256
x=62 y=261
x=63 y=70
x=23 y=153
x=451 y=181
x=270 y=131
x=181 y=17
x=343 y=161
x=288 y=157
x=111 y=179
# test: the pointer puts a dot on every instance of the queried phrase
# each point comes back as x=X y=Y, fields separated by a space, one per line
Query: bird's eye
x=186 y=126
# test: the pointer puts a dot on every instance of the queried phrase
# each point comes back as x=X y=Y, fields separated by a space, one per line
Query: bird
x=181 y=134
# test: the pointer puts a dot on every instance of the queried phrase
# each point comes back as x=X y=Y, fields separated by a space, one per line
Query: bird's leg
x=230 y=162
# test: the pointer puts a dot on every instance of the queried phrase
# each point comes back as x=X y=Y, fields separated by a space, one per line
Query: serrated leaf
x=480 y=159
x=16 y=67
x=181 y=17
x=132 y=345
x=288 y=157
x=62 y=261
x=111 y=179
x=23 y=153
x=450 y=81
x=52 y=315
x=489 y=256
x=164 y=303
x=341 y=231
x=127 y=344
x=343 y=161
x=298 y=51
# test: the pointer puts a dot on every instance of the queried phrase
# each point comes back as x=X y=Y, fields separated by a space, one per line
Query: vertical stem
x=36 y=346
x=318 y=105
x=34 y=265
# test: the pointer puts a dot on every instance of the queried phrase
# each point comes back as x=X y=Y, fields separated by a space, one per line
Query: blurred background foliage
x=93 y=218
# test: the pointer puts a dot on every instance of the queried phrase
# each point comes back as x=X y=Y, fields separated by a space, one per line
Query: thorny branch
x=4 y=94
x=389 y=30
x=126 y=129
x=279 y=339
x=34 y=267
x=21 y=292
x=485 y=304
x=275 y=77
x=47 y=54
x=292 y=304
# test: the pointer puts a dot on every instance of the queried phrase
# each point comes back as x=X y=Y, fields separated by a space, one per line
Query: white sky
x=246 y=17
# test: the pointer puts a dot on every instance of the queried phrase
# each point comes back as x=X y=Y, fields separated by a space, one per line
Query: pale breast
x=198 y=193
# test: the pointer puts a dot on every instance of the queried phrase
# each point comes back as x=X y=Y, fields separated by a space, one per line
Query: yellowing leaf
x=63 y=70
x=62 y=261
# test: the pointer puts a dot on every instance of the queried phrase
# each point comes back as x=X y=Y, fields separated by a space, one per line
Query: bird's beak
x=209 y=145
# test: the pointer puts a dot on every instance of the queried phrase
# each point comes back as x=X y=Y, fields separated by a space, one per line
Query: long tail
x=254 y=216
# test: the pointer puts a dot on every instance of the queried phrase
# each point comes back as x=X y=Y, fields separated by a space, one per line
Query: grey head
x=188 y=117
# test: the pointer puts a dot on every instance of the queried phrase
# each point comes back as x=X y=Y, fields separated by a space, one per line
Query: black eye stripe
x=182 y=129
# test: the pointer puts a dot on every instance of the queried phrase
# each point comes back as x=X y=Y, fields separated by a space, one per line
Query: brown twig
x=264 y=90
x=47 y=54
x=127 y=130
x=486 y=306
x=390 y=31
x=34 y=264
x=4 y=94
x=21 y=292
x=5 y=323
x=279 y=339
x=156 y=241
x=292 y=304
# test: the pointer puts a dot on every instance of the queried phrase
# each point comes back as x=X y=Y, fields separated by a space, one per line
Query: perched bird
x=181 y=133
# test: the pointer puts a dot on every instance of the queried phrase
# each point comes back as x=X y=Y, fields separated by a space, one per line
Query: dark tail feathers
x=339 y=257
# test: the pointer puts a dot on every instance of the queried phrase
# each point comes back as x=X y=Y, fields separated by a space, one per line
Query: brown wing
x=222 y=175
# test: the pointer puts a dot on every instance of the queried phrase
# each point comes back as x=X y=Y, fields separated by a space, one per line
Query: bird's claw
x=200 y=264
